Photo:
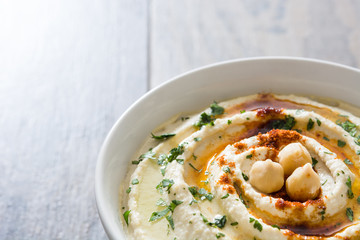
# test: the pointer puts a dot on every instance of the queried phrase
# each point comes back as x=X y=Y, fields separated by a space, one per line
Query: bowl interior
x=196 y=90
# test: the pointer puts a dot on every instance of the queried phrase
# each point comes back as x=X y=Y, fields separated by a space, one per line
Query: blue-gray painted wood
x=68 y=70
x=192 y=33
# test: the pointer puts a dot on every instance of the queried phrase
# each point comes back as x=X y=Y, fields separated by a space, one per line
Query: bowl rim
x=99 y=170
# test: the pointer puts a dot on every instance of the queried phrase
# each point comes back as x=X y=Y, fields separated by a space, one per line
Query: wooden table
x=69 y=69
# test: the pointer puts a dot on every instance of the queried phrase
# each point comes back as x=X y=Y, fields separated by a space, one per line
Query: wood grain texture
x=192 y=33
x=68 y=69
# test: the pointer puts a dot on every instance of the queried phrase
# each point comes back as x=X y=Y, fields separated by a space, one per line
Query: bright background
x=70 y=68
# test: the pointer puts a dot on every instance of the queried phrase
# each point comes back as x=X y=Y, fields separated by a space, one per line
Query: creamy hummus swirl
x=194 y=183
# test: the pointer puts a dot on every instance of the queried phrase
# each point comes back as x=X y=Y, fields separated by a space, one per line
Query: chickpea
x=303 y=184
x=292 y=156
x=267 y=176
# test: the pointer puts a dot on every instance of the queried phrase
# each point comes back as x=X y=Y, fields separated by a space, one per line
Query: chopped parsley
x=234 y=223
x=225 y=196
x=288 y=123
x=328 y=153
x=201 y=193
x=275 y=226
x=165 y=185
x=163 y=136
x=220 y=221
x=358 y=152
x=171 y=221
x=192 y=166
x=351 y=128
x=245 y=176
x=322 y=213
x=197 y=139
x=149 y=154
x=257 y=225
x=318 y=122
x=216 y=109
x=163 y=160
x=226 y=169
x=242 y=111
x=242 y=200
x=184 y=118
x=158 y=215
x=341 y=143
x=324 y=183
x=358 y=199
x=310 y=124
x=229 y=122
x=175 y=152
x=314 y=162
x=219 y=235
x=350 y=214
x=126 y=217
x=249 y=156
x=128 y=190
x=325 y=138
x=347 y=161
x=208 y=119
x=135 y=181
x=348 y=126
x=349 y=191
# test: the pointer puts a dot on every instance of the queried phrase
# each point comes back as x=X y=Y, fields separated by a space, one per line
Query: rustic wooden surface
x=68 y=70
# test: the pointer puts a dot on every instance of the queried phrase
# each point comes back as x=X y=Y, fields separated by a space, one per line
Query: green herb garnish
x=148 y=154
x=201 y=193
x=135 y=181
x=257 y=225
x=314 y=162
x=245 y=176
x=322 y=213
x=349 y=191
x=126 y=217
x=216 y=109
x=208 y=119
x=158 y=215
x=341 y=143
x=165 y=185
x=318 y=122
x=192 y=166
x=347 y=161
x=249 y=156
x=220 y=221
x=225 y=196
x=288 y=123
x=163 y=136
x=226 y=169
x=171 y=221
x=310 y=124
x=350 y=214
x=275 y=226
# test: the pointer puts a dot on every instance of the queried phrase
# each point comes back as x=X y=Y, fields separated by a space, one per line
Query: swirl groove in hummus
x=194 y=181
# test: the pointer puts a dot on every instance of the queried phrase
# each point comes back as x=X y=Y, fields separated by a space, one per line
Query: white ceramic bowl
x=194 y=91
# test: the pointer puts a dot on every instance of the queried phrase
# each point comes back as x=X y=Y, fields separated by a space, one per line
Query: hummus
x=196 y=179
